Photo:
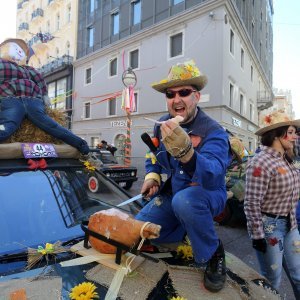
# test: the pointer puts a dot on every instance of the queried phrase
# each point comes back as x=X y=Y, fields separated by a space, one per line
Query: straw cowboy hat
x=275 y=120
x=186 y=73
x=20 y=42
x=237 y=148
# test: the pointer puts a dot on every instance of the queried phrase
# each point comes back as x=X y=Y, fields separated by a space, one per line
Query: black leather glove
x=260 y=245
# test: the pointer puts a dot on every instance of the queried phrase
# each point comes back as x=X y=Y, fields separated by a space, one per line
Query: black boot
x=215 y=273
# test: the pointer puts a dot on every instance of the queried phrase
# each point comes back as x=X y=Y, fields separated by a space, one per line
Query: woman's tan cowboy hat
x=20 y=42
x=276 y=119
x=186 y=73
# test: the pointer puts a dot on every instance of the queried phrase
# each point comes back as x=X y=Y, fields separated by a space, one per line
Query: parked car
x=108 y=164
x=46 y=202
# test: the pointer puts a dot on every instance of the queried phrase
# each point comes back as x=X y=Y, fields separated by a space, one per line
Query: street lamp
x=129 y=78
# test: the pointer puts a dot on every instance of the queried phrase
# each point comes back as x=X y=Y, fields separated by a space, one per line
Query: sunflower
x=185 y=251
x=84 y=291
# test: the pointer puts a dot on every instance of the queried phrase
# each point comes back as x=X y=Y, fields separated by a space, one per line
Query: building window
x=242 y=58
x=112 y=105
x=92 y=5
x=261 y=21
x=134 y=59
x=241 y=104
x=251 y=73
x=52 y=93
x=177 y=1
x=136 y=12
x=68 y=48
x=250 y=146
x=113 y=67
x=251 y=112
x=260 y=50
x=115 y=23
x=231 y=42
x=69 y=14
x=88 y=76
x=57 y=22
x=252 y=31
x=61 y=91
x=87 y=110
x=176 y=44
x=231 y=91
x=135 y=102
x=91 y=36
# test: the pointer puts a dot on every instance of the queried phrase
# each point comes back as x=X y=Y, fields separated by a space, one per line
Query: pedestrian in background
x=271 y=197
x=297 y=162
x=186 y=184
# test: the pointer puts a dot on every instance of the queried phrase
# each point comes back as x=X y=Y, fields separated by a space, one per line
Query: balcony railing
x=57 y=64
x=34 y=40
x=37 y=13
x=23 y=26
x=264 y=99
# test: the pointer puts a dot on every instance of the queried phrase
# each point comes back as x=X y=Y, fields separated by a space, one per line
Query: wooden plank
x=108 y=260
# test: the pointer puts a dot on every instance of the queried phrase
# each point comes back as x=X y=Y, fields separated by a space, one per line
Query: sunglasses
x=181 y=93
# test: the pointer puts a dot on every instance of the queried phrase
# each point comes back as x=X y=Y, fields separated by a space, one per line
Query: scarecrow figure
x=23 y=93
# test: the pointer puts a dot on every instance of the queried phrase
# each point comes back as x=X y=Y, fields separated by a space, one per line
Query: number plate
x=37 y=150
x=122 y=184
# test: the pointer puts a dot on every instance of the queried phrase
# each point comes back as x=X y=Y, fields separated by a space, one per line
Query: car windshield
x=47 y=206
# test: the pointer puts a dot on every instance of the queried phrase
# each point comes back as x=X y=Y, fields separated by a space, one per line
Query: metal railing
x=56 y=64
x=37 y=13
x=23 y=26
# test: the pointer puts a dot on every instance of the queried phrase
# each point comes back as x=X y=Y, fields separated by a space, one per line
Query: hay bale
x=29 y=133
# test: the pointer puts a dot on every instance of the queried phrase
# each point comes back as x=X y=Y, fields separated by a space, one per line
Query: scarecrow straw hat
x=20 y=42
x=182 y=74
x=275 y=120
x=237 y=148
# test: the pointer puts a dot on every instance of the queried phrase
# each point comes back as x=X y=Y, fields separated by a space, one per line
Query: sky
x=286 y=43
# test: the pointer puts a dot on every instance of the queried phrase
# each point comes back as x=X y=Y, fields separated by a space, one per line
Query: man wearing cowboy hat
x=271 y=196
x=22 y=93
x=186 y=184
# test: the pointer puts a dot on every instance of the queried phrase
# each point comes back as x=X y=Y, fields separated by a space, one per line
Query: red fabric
x=37 y=164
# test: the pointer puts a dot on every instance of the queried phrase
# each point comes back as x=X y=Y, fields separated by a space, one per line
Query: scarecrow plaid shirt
x=272 y=186
x=19 y=81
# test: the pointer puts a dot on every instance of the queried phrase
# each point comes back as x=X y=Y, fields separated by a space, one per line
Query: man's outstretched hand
x=176 y=140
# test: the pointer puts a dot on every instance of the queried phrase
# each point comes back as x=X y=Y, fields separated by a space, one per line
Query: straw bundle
x=29 y=133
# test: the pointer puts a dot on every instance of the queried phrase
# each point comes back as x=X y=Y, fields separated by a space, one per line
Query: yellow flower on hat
x=186 y=73
x=164 y=80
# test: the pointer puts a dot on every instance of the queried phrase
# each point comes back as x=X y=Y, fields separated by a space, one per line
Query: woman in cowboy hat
x=22 y=93
x=271 y=196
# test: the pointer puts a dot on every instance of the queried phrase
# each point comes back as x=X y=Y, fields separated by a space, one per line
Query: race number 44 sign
x=37 y=150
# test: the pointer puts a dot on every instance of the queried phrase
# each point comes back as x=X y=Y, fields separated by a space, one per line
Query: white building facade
x=150 y=37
